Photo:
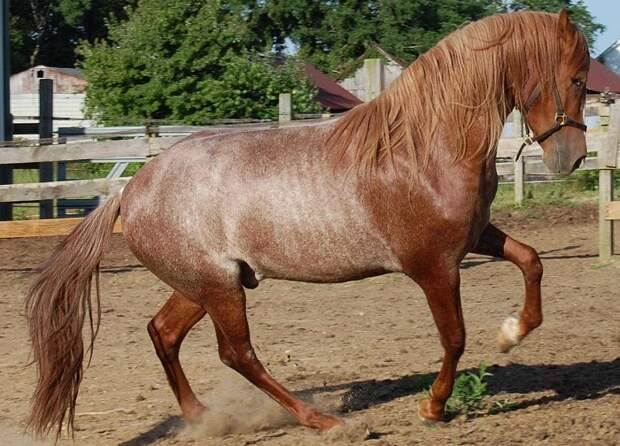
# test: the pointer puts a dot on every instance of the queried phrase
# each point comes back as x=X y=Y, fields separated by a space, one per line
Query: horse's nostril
x=578 y=163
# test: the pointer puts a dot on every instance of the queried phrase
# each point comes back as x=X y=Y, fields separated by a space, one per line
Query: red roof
x=330 y=95
x=601 y=78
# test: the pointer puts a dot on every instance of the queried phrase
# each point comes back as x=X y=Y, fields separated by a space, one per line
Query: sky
x=606 y=12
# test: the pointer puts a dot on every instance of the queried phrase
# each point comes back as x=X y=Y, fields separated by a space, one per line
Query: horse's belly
x=321 y=260
x=317 y=239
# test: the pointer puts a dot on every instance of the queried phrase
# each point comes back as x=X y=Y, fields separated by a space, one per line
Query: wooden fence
x=609 y=210
x=149 y=141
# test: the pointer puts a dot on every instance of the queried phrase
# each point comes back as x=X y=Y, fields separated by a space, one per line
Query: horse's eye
x=577 y=82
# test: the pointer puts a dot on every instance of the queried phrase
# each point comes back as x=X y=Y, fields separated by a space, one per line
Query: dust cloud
x=15 y=436
x=236 y=406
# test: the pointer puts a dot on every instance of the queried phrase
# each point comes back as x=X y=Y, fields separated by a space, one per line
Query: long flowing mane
x=473 y=77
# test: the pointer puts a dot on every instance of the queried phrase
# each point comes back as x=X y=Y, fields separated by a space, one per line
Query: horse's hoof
x=331 y=423
x=194 y=414
x=508 y=335
x=323 y=422
x=426 y=415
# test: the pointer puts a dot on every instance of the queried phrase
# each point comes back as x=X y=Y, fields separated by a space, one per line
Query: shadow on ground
x=558 y=254
x=586 y=380
x=166 y=428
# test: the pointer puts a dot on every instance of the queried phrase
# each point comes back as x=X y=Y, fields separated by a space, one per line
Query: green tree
x=409 y=28
x=578 y=12
x=48 y=31
x=187 y=60
x=333 y=33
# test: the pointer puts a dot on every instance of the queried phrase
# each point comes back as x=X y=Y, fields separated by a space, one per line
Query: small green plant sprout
x=469 y=390
x=468 y=394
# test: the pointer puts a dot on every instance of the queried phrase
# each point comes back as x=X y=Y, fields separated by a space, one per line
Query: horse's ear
x=565 y=27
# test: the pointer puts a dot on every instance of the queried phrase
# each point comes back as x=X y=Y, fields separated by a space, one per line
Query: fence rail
x=52 y=190
x=43 y=228
x=148 y=147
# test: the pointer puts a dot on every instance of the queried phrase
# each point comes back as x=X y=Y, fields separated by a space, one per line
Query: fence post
x=519 y=165
x=46 y=128
x=374 y=78
x=519 y=179
x=6 y=123
x=607 y=163
x=285 y=107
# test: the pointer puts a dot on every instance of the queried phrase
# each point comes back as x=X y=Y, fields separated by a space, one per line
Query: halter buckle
x=528 y=140
x=561 y=118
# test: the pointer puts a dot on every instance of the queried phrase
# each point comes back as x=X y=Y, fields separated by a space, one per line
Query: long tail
x=57 y=304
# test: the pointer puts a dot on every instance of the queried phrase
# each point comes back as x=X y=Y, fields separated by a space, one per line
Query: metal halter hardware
x=561 y=119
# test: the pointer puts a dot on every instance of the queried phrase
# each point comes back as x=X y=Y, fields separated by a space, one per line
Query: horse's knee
x=531 y=265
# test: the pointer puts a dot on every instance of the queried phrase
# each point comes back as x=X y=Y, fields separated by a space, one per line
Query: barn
x=601 y=79
x=69 y=95
x=354 y=78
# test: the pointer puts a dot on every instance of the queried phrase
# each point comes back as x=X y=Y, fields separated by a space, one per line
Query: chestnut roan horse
x=402 y=183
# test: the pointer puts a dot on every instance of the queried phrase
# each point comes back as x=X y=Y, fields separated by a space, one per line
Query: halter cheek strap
x=561 y=119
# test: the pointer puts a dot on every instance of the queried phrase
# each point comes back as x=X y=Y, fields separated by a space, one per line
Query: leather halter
x=561 y=119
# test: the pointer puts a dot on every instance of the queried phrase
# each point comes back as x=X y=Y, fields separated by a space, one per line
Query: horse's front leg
x=495 y=243
x=443 y=294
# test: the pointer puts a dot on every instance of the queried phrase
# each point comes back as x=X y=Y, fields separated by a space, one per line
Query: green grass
x=76 y=171
x=579 y=188
x=536 y=195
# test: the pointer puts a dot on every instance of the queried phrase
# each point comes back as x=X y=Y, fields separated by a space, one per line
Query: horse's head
x=554 y=107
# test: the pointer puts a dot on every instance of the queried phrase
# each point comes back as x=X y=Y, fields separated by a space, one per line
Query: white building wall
x=65 y=106
x=357 y=83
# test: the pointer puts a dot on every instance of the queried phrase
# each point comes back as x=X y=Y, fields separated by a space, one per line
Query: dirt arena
x=363 y=349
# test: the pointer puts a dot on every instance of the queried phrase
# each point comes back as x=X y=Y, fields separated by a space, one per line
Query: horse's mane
x=471 y=77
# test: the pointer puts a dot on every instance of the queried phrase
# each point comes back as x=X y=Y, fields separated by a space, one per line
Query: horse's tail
x=57 y=304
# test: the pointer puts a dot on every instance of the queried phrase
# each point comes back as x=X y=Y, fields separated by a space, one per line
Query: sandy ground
x=362 y=349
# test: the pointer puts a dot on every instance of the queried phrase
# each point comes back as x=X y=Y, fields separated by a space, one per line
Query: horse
x=402 y=183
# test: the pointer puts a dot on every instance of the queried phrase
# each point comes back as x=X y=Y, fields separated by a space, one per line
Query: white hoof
x=508 y=335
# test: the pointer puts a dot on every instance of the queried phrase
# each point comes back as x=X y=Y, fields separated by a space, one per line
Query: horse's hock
x=609 y=210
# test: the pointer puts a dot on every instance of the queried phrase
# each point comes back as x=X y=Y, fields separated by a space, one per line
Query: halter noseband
x=561 y=119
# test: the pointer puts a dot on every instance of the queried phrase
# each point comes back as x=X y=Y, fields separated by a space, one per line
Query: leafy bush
x=187 y=61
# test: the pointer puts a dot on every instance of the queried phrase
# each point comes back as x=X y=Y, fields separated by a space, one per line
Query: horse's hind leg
x=226 y=306
x=495 y=243
x=167 y=330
